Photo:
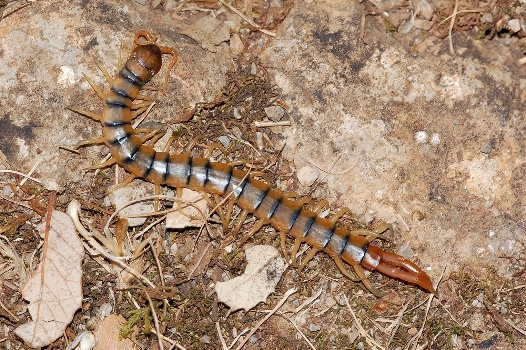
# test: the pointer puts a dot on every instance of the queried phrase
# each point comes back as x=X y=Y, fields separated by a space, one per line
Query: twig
x=453 y=17
x=21 y=174
x=280 y=303
x=252 y=23
x=218 y=328
x=268 y=123
x=397 y=322
x=155 y=319
x=359 y=326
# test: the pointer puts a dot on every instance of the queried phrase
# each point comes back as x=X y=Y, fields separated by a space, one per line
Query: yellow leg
x=107 y=75
x=107 y=163
x=122 y=184
x=94 y=86
x=257 y=226
x=95 y=141
x=308 y=258
x=157 y=192
x=89 y=114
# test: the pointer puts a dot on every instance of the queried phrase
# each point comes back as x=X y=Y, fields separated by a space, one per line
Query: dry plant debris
x=54 y=291
x=262 y=274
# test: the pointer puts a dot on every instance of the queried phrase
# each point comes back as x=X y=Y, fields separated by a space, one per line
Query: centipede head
x=149 y=56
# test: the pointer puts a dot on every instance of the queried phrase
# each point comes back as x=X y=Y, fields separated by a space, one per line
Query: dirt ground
x=405 y=113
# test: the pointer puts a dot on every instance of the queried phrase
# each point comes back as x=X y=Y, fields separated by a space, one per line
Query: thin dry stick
x=269 y=123
x=155 y=319
x=21 y=174
x=9 y=312
x=359 y=326
x=301 y=333
x=253 y=24
x=73 y=212
x=417 y=336
x=397 y=322
x=223 y=343
x=454 y=16
x=166 y=339
x=280 y=303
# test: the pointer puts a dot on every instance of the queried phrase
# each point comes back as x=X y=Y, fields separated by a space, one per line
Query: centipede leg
x=94 y=86
x=257 y=226
x=210 y=148
x=122 y=184
x=312 y=252
x=371 y=235
x=94 y=116
x=340 y=213
x=95 y=141
x=107 y=163
x=359 y=276
x=240 y=222
x=318 y=206
x=283 y=242
x=294 y=252
x=107 y=75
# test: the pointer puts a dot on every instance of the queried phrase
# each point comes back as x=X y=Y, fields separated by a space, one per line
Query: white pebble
x=421 y=137
x=307 y=175
x=435 y=139
x=225 y=141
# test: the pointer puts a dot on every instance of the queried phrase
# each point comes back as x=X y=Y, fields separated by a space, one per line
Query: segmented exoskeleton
x=251 y=195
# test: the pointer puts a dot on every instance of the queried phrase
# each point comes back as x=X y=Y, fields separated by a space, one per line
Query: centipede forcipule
x=269 y=205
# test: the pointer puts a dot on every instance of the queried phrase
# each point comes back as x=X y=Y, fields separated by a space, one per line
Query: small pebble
x=307 y=175
x=406 y=251
x=236 y=113
x=412 y=331
x=421 y=136
x=487 y=18
x=426 y=10
x=423 y=24
x=7 y=191
x=205 y=339
x=314 y=327
x=236 y=45
x=275 y=113
x=435 y=139
x=224 y=140
x=514 y=25
x=486 y=148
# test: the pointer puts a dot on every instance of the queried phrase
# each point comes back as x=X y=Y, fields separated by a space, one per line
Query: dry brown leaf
x=55 y=290
x=264 y=269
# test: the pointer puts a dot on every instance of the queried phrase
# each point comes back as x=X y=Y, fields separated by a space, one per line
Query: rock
x=307 y=175
x=236 y=45
x=487 y=18
x=423 y=24
x=275 y=113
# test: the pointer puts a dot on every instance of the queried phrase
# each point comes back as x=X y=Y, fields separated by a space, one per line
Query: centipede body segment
x=251 y=195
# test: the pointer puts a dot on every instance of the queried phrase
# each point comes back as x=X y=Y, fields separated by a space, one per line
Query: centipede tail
x=270 y=205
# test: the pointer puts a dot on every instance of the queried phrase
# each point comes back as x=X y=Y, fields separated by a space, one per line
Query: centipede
x=288 y=216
